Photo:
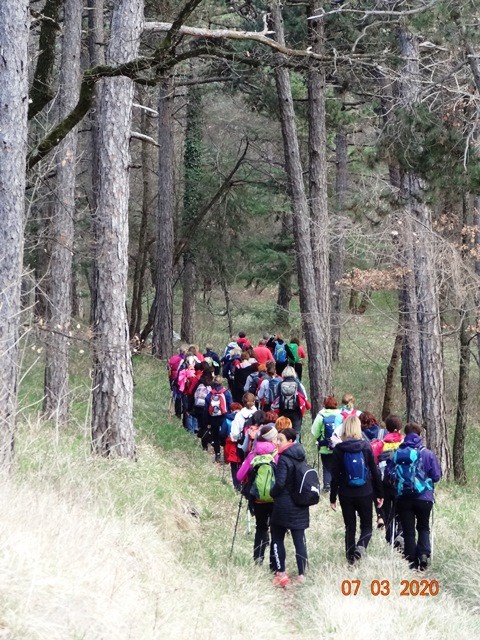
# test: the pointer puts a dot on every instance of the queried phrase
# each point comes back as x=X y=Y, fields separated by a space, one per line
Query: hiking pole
x=432 y=536
x=249 y=522
x=236 y=525
x=170 y=405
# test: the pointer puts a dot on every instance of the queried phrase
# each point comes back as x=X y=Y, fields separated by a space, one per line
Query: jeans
x=278 y=547
x=191 y=423
x=363 y=505
x=411 y=511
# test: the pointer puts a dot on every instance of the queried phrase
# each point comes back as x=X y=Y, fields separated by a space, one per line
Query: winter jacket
x=262 y=354
x=285 y=512
x=318 y=427
x=173 y=365
x=339 y=484
x=239 y=421
x=259 y=449
x=430 y=464
x=230 y=451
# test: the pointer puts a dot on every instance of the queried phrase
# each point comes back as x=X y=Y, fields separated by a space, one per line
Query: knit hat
x=268 y=433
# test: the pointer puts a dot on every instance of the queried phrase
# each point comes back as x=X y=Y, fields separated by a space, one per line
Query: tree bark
x=149 y=160
x=392 y=367
x=187 y=330
x=337 y=244
x=162 y=340
x=301 y=227
x=14 y=28
x=56 y=398
x=112 y=402
x=428 y=313
x=319 y=221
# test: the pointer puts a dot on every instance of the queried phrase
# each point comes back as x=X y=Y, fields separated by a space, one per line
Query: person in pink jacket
x=265 y=446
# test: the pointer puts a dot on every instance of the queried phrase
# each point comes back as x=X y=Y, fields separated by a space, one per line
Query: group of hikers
x=251 y=402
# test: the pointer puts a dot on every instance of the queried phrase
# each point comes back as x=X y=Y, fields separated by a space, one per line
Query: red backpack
x=218 y=404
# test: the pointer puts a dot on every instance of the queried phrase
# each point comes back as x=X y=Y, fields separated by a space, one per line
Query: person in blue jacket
x=414 y=510
x=214 y=422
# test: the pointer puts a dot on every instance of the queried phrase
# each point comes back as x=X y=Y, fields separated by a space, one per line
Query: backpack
x=263 y=478
x=253 y=384
x=306 y=485
x=271 y=391
x=329 y=428
x=280 y=353
x=355 y=468
x=352 y=412
x=292 y=353
x=218 y=404
x=288 y=395
x=410 y=478
x=225 y=429
x=201 y=392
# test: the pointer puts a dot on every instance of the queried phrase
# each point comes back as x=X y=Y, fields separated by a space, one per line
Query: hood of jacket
x=295 y=452
x=352 y=445
x=412 y=440
x=395 y=436
x=372 y=432
x=262 y=448
x=247 y=413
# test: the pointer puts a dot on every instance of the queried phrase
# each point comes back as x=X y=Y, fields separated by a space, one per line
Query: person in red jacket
x=262 y=353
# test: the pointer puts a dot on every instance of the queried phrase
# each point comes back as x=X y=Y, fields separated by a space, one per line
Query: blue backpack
x=329 y=428
x=272 y=391
x=410 y=477
x=280 y=353
x=355 y=468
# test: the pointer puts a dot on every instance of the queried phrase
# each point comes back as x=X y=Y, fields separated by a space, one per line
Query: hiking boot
x=380 y=523
x=359 y=552
x=218 y=458
x=398 y=542
x=326 y=488
x=423 y=562
x=300 y=579
x=281 y=579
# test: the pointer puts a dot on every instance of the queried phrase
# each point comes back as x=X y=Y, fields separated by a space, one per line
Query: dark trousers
x=363 y=505
x=203 y=433
x=298 y=366
x=413 y=511
x=390 y=515
x=262 y=512
x=278 y=547
x=234 y=467
x=326 y=469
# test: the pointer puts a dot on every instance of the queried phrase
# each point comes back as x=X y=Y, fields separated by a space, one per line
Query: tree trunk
x=284 y=296
x=187 y=330
x=428 y=314
x=301 y=228
x=337 y=244
x=162 y=339
x=112 y=405
x=14 y=28
x=319 y=222
x=459 y=471
x=476 y=224
x=149 y=160
x=56 y=399
x=392 y=368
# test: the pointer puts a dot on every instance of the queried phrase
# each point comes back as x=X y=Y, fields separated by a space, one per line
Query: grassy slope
x=110 y=549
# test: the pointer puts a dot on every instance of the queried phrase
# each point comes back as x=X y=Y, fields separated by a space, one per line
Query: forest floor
x=96 y=549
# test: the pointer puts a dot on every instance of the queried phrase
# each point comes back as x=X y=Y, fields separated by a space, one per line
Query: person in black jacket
x=357 y=481
x=286 y=514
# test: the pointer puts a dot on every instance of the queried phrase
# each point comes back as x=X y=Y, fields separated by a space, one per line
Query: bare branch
x=144 y=138
x=374 y=12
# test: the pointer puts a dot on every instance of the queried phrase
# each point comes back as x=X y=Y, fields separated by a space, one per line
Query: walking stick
x=236 y=525
x=170 y=406
x=249 y=522
x=433 y=530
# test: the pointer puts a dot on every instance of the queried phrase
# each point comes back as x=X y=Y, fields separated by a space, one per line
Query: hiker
x=291 y=398
x=193 y=351
x=173 y=366
x=202 y=390
x=247 y=411
x=217 y=405
x=347 y=408
x=283 y=423
x=390 y=443
x=253 y=380
x=267 y=392
x=287 y=515
x=186 y=377
x=279 y=353
x=230 y=455
x=417 y=470
x=262 y=353
x=243 y=342
x=257 y=470
x=212 y=358
x=356 y=480
x=372 y=431
x=323 y=431
x=242 y=369
x=295 y=356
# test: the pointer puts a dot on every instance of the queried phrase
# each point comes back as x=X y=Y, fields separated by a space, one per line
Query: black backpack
x=306 y=485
